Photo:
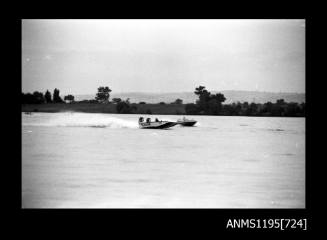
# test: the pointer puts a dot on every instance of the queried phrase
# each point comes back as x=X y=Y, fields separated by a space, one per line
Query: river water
x=84 y=160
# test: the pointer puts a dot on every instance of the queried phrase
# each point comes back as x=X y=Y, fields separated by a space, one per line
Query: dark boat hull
x=157 y=125
x=188 y=123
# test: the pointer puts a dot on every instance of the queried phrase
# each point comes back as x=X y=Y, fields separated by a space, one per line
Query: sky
x=78 y=56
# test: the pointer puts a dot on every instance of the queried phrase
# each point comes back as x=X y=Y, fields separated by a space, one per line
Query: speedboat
x=156 y=124
x=186 y=122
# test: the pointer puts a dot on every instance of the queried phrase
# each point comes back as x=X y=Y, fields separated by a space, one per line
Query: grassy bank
x=163 y=109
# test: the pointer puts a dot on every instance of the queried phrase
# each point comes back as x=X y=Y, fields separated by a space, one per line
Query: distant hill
x=190 y=97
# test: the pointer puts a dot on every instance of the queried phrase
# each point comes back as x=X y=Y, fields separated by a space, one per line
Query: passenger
x=141 y=119
x=157 y=120
x=148 y=120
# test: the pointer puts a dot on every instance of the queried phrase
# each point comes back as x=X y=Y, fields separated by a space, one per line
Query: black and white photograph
x=163 y=113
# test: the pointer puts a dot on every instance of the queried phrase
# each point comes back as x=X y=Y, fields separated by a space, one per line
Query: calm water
x=74 y=160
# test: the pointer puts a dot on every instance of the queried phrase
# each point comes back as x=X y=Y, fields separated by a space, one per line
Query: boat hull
x=188 y=123
x=157 y=125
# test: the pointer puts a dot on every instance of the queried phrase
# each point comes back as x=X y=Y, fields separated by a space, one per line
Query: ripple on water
x=140 y=180
x=276 y=129
x=251 y=160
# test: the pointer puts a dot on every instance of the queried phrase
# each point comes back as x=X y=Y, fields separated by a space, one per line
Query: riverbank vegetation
x=212 y=104
x=207 y=104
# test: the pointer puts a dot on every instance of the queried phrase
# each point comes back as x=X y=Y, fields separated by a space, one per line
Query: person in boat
x=141 y=119
x=157 y=120
x=148 y=120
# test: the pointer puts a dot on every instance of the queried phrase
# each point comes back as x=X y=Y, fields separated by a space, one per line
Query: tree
x=209 y=103
x=238 y=109
x=234 y=109
x=214 y=107
x=70 y=98
x=253 y=109
x=267 y=108
x=92 y=101
x=56 y=97
x=293 y=109
x=103 y=94
x=122 y=107
x=47 y=97
x=162 y=103
x=27 y=98
x=35 y=98
x=204 y=97
x=191 y=108
x=142 y=102
x=200 y=90
x=219 y=97
x=214 y=104
x=125 y=107
x=178 y=101
x=116 y=100
x=280 y=102
x=38 y=97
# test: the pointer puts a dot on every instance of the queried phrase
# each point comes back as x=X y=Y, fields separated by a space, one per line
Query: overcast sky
x=77 y=56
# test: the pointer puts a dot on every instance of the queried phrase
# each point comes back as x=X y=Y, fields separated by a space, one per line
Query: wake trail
x=77 y=120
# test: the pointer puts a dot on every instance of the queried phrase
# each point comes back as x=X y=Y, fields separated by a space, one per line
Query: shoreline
x=148 y=109
x=166 y=109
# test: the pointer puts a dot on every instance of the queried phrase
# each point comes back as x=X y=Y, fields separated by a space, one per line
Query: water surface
x=81 y=160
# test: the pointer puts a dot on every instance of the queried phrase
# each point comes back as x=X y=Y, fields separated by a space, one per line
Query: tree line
x=102 y=97
x=212 y=104
x=206 y=104
x=39 y=98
